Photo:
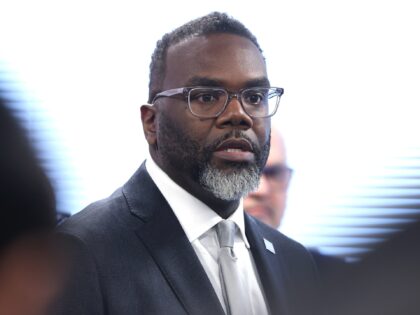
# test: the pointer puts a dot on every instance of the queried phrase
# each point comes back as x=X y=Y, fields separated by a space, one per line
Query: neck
x=224 y=208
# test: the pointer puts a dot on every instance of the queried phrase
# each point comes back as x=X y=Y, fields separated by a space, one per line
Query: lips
x=235 y=150
x=235 y=144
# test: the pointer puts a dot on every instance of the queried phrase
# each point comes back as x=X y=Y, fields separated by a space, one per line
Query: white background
x=350 y=70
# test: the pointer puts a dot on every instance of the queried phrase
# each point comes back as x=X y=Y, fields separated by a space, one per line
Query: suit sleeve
x=81 y=294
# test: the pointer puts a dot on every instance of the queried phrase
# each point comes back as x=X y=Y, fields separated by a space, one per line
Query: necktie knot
x=226 y=233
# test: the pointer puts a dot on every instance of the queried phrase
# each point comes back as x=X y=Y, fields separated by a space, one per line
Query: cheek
x=262 y=128
x=181 y=121
x=201 y=131
x=279 y=197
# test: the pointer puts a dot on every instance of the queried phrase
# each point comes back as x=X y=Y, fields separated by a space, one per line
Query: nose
x=234 y=115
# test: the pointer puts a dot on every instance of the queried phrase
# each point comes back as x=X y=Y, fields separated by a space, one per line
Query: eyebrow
x=260 y=82
x=204 y=81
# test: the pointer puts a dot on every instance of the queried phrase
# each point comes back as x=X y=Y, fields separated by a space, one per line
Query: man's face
x=223 y=155
x=269 y=202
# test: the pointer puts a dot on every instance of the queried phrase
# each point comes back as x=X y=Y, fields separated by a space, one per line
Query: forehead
x=232 y=60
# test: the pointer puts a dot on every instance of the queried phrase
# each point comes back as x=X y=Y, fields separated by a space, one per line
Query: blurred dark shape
x=385 y=282
x=27 y=200
x=328 y=265
x=61 y=217
x=29 y=265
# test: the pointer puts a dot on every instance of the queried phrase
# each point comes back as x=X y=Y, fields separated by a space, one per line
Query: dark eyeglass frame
x=186 y=92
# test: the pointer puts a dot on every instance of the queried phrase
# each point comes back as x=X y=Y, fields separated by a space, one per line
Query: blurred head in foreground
x=28 y=270
x=269 y=201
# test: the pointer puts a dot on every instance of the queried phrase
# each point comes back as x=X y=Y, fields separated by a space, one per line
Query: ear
x=148 y=118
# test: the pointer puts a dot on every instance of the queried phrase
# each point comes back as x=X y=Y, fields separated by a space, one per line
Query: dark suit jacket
x=133 y=257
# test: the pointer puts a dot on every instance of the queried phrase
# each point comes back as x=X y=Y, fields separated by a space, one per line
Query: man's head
x=269 y=201
x=217 y=157
x=214 y=23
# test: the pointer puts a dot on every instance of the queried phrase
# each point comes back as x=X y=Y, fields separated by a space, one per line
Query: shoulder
x=290 y=256
x=115 y=213
x=97 y=237
x=292 y=264
x=285 y=244
x=96 y=216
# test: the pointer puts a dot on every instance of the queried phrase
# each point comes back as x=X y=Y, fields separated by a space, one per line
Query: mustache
x=232 y=134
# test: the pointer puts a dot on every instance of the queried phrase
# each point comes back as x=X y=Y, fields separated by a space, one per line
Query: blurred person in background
x=29 y=268
x=268 y=202
x=385 y=282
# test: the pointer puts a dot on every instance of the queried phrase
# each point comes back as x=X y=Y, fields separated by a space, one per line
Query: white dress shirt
x=198 y=222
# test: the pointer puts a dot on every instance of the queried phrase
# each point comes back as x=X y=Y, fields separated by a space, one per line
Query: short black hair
x=27 y=200
x=214 y=22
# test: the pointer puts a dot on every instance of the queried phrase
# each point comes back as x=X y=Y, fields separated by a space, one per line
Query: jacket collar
x=269 y=262
x=167 y=243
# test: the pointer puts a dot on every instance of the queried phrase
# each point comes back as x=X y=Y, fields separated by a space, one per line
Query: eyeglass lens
x=257 y=102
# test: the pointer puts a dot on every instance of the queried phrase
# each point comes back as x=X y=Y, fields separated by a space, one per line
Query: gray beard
x=180 y=151
x=230 y=186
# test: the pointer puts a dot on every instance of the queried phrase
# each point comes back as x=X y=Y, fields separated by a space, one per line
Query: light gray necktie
x=234 y=291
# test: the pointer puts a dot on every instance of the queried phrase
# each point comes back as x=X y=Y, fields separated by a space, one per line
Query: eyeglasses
x=210 y=102
x=279 y=174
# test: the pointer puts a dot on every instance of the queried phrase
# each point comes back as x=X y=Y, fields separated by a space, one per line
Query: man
x=29 y=269
x=269 y=202
x=161 y=243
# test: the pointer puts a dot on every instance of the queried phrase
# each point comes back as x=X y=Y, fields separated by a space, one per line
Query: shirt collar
x=195 y=217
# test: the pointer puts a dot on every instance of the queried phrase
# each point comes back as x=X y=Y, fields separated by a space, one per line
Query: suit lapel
x=167 y=243
x=269 y=269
